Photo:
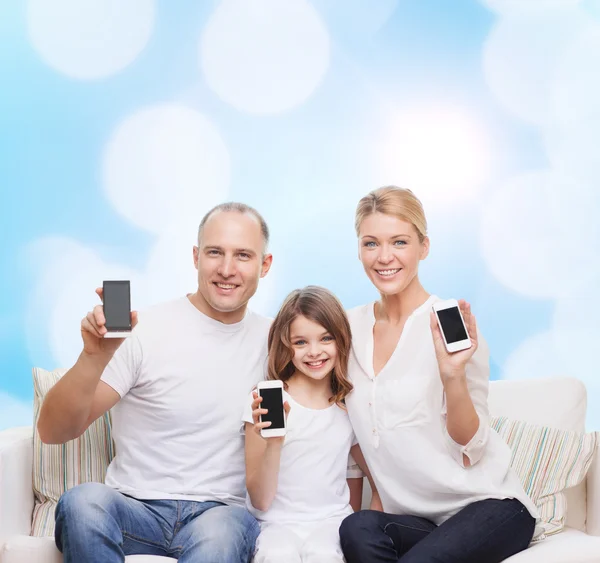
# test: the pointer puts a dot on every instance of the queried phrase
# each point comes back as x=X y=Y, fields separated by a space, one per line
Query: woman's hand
x=452 y=365
x=257 y=412
x=376 y=502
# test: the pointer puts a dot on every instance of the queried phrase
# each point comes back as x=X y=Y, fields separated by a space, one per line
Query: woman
x=420 y=414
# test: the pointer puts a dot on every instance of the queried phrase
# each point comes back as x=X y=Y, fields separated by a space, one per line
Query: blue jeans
x=486 y=531
x=96 y=524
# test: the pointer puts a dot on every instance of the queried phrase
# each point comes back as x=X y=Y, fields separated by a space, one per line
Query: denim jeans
x=486 y=531
x=96 y=524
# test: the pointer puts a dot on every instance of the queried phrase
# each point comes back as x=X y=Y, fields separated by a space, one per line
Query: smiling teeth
x=316 y=363
x=225 y=286
x=388 y=272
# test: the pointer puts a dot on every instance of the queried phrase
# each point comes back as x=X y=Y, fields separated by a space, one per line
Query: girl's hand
x=257 y=412
x=453 y=365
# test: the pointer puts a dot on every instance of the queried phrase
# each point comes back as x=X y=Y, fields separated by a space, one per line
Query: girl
x=420 y=414
x=297 y=484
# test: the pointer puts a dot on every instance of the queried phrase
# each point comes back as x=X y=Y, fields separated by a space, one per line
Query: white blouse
x=399 y=418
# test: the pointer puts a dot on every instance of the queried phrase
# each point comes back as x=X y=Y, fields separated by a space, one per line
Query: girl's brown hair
x=322 y=307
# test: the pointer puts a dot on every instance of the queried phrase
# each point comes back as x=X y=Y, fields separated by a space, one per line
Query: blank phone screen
x=117 y=305
x=273 y=402
x=452 y=325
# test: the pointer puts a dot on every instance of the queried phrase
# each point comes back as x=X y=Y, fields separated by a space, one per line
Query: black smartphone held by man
x=116 y=297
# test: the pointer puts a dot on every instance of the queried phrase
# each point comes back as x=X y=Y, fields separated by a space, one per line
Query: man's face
x=230 y=261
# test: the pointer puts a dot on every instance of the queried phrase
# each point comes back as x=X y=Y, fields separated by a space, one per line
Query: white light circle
x=576 y=330
x=536 y=231
x=576 y=334
x=264 y=56
x=440 y=154
x=69 y=275
x=90 y=39
x=577 y=83
x=535 y=358
x=517 y=7
x=573 y=150
x=164 y=165
x=520 y=59
x=170 y=270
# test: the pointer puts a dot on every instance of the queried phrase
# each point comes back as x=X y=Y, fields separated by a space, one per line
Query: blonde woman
x=420 y=414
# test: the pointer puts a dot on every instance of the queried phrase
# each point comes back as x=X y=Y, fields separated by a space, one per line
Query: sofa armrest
x=592 y=525
x=16 y=492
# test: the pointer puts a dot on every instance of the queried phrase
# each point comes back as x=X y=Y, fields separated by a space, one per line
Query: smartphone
x=116 y=298
x=272 y=400
x=452 y=325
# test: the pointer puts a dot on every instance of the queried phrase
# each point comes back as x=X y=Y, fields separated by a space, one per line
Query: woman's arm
x=465 y=377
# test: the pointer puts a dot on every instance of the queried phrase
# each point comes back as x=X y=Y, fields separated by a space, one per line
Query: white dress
x=312 y=497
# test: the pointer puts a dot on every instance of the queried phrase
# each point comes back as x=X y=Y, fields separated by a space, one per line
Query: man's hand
x=93 y=330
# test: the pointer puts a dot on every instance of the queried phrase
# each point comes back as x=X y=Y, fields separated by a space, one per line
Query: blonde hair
x=394 y=201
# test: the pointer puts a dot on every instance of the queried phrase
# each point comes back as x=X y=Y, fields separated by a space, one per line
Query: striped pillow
x=57 y=468
x=547 y=461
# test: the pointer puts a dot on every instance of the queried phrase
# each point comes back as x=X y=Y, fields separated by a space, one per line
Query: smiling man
x=178 y=385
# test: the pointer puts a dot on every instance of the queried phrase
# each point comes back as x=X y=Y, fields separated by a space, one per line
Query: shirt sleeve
x=353 y=471
x=478 y=380
x=247 y=413
x=123 y=370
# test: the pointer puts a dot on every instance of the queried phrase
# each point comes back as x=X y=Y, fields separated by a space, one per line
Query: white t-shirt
x=312 y=482
x=399 y=418
x=183 y=379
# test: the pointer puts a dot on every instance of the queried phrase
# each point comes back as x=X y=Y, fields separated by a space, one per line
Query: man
x=178 y=386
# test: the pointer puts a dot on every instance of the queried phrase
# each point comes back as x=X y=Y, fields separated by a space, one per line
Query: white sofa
x=558 y=402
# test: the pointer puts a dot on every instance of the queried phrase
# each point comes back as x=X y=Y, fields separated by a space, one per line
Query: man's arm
x=79 y=397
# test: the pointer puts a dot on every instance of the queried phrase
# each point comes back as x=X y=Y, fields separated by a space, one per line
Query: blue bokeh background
x=120 y=126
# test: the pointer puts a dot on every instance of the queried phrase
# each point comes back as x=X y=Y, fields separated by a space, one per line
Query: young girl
x=297 y=484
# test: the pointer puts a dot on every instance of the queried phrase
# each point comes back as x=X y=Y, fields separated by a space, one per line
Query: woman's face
x=390 y=252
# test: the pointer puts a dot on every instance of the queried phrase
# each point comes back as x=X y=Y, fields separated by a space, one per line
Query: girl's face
x=390 y=252
x=315 y=351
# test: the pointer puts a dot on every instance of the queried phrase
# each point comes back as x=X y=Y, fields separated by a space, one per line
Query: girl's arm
x=355 y=484
x=263 y=456
x=357 y=454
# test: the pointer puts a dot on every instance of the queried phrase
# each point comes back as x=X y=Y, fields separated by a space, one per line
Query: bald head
x=243 y=209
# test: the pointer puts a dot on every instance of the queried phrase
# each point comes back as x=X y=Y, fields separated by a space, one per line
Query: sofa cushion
x=559 y=402
x=547 y=461
x=570 y=546
x=57 y=468
x=28 y=549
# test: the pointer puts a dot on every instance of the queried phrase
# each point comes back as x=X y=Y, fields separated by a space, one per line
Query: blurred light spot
x=264 y=56
x=536 y=231
x=520 y=59
x=517 y=7
x=440 y=154
x=90 y=39
x=576 y=92
x=166 y=165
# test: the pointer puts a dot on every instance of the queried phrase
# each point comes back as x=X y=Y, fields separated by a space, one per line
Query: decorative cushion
x=57 y=468
x=547 y=461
